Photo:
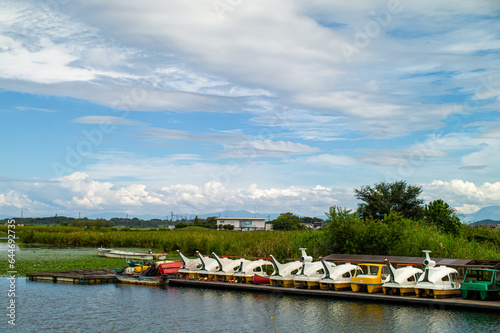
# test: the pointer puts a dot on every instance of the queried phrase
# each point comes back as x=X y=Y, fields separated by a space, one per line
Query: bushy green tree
x=343 y=228
x=348 y=233
x=180 y=225
x=384 y=198
x=441 y=214
x=287 y=221
x=211 y=221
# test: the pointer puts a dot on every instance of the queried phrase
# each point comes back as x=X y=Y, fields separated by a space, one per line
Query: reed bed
x=401 y=237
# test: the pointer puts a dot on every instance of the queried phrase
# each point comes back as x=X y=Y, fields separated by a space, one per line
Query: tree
x=211 y=221
x=384 y=198
x=287 y=221
x=180 y=225
x=441 y=214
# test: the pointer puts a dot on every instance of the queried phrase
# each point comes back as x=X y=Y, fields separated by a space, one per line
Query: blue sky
x=205 y=106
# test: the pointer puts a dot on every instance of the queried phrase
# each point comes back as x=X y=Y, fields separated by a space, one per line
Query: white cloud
x=108 y=120
x=461 y=193
x=335 y=160
x=258 y=148
x=88 y=195
x=398 y=157
x=190 y=56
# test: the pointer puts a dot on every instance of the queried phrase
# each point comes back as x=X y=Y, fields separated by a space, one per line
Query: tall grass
x=282 y=244
x=396 y=236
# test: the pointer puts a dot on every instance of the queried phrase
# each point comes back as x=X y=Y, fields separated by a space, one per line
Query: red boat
x=169 y=268
x=257 y=279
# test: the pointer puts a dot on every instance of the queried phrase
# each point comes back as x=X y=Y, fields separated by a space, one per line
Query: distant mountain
x=486 y=222
x=230 y=213
x=486 y=213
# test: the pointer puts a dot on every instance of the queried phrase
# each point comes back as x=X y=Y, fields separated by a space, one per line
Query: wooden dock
x=88 y=276
x=440 y=304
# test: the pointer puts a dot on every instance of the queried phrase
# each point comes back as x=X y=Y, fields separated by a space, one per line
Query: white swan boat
x=401 y=281
x=189 y=267
x=437 y=282
x=208 y=267
x=248 y=268
x=284 y=273
x=227 y=268
x=337 y=277
x=310 y=273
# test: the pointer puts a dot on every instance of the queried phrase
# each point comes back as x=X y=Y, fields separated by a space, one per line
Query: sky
x=193 y=107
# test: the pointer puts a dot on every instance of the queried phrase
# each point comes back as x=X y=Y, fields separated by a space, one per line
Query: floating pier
x=88 y=276
x=441 y=304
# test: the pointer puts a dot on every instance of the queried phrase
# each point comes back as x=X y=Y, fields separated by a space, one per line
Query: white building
x=244 y=223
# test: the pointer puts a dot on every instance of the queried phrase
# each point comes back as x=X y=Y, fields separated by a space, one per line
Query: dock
x=100 y=276
x=87 y=276
x=439 y=304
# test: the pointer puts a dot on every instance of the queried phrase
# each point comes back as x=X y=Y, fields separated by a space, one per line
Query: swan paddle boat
x=284 y=273
x=310 y=273
x=227 y=268
x=337 y=277
x=437 y=282
x=369 y=277
x=248 y=268
x=401 y=281
x=189 y=267
x=208 y=267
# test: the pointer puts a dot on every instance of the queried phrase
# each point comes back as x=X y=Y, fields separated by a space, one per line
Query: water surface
x=49 y=307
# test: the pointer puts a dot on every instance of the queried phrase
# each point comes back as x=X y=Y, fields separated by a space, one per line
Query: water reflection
x=49 y=307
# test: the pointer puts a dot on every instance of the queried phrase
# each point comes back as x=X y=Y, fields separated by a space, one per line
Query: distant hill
x=230 y=213
x=486 y=213
x=486 y=222
x=55 y=220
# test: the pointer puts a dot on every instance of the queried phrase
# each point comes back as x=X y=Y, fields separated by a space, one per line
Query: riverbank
x=33 y=258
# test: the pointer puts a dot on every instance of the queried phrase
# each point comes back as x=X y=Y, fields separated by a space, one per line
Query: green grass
x=77 y=247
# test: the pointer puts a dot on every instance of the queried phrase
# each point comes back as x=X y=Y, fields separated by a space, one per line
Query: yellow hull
x=446 y=293
x=342 y=286
x=276 y=283
x=356 y=287
x=374 y=288
x=437 y=293
x=299 y=284
x=312 y=284
x=398 y=291
x=370 y=288
x=326 y=286
x=334 y=286
x=282 y=283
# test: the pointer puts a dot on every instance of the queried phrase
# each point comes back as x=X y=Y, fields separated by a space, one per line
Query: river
x=50 y=307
